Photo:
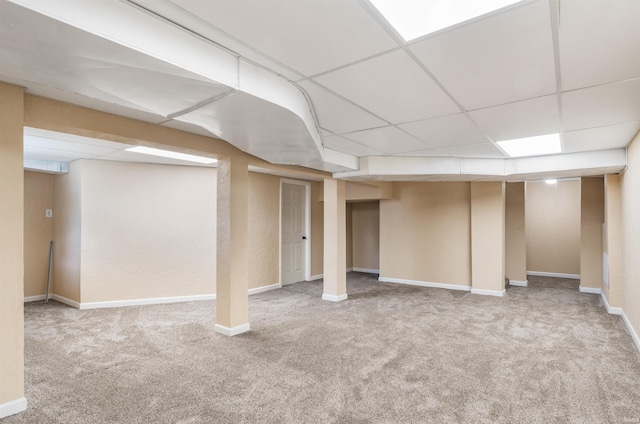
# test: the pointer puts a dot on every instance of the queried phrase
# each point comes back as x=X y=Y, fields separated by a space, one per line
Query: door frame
x=307 y=228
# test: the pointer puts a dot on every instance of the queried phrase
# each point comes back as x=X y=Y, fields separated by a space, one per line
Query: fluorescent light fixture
x=532 y=146
x=172 y=155
x=550 y=181
x=415 y=18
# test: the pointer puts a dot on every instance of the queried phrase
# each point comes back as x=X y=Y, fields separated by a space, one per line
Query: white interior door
x=293 y=237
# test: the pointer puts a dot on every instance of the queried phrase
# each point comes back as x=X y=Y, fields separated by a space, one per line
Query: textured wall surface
x=366 y=234
x=591 y=219
x=264 y=224
x=515 y=236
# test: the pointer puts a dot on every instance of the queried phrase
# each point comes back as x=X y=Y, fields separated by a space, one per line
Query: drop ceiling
x=539 y=67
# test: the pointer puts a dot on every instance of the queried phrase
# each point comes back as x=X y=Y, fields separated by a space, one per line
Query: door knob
x=304 y=237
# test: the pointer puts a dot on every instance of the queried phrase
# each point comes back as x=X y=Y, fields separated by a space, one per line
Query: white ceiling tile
x=503 y=58
x=387 y=139
x=60 y=145
x=599 y=42
x=601 y=106
x=338 y=115
x=527 y=118
x=447 y=131
x=344 y=145
x=309 y=36
x=482 y=150
x=123 y=155
x=393 y=87
x=601 y=138
x=52 y=154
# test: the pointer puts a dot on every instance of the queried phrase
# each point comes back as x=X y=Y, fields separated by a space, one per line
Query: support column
x=335 y=241
x=487 y=238
x=232 y=259
x=12 y=398
x=612 y=241
x=591 y=219
x=515 y=237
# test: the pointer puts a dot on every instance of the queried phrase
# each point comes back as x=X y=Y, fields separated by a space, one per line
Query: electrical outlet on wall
x=48 y=213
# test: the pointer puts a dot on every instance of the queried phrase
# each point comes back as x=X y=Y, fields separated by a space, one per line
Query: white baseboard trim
x=632 y=331
x=34 y=298
x=497 y=293
x=13 y=407
x=66 y=301
x=611 y=310
x=591 y=290
x=149 y=301
x=519 y=283
x=349 y=269
x=264 y=289
x=424 y=284
x=334 y=298
x=367 y=270
x=316 y=277
x=233 y=331
x=554 y=274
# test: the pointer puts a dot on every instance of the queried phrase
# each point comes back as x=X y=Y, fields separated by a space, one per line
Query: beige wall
x=365 y=233
x=67 y=219
x=349 y=235
x=630 y=188
x=317 y=228
x=425 y=233
x=487 y=237
x=613 y=233
x=591 y=220
x=552 y=220
x=11 y=244
x=515 y=236
x=264 y=224
x=38 y=230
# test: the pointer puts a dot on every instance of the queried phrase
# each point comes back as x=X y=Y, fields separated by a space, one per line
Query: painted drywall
x=38 y=230
x=349 y=235
x=264 y=224
x=365 y=233
x=11 y=249
x=630 y=188
x=317 y=229
x=515 y=236
x=335 y=236
x=552 y=221
x=487 y=237
x=591 y=220
x=147 y=231
x=425 y=233
x=67 y=205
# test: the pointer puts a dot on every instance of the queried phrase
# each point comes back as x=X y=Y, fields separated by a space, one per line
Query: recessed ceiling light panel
x=172 y=155
x=415 y=18
x=548 y=144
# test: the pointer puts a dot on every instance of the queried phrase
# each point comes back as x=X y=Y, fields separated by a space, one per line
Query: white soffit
x=296 y=32
x=336 y=114
x=446 y=131
x=520 y=119
x=504 y=58
x=389 y=140
x=481 y=150
x=601 y=138
x=342 y=144
x=599 y=42
x=602 y=105
x=392 y=86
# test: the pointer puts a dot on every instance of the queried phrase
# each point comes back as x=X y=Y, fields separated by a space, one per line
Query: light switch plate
x=48 y=213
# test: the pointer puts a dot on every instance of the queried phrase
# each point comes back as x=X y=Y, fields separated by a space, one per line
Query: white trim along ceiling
x=330 y=85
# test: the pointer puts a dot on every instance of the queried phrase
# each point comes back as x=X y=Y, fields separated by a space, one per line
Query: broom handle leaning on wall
x=46 y=295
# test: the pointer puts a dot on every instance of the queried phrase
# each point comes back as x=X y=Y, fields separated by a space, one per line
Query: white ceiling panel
x=338 y=115
x=447 y=131
x=388 y=140
x=601 y=106
x=43 y=153
x=520 y=119
x=393 y=87
x=482 y=150
x=503 y=58
x=344 y=145
x=65 y=146
x=308 y=36
x=601 y=138
x=125 y=156
x=599 y=42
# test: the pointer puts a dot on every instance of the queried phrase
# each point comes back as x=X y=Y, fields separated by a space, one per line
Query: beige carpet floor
x=389 y=354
